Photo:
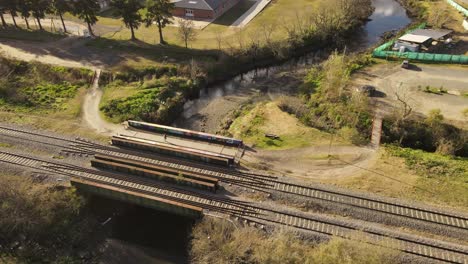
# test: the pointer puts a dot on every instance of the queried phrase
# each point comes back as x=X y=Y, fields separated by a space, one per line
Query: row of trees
x=158 y=12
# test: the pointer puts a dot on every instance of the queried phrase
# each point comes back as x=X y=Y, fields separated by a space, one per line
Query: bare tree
x=187 y=31
x=240 y=37
x=267 y=31
x=219 y=38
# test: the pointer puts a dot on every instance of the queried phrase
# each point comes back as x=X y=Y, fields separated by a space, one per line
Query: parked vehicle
x=405 y=64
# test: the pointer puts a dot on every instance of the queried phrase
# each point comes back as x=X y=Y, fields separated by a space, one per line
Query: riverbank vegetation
x=327 y=102
x=223 y=52
x=219 y=241
x=154 y=94
x=42 y=223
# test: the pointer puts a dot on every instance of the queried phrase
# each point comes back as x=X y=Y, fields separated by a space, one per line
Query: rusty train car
x=178 y=132
x=172 y=150
x=153 y=172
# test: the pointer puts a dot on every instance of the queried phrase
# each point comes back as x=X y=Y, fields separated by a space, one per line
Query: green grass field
x=277 y=13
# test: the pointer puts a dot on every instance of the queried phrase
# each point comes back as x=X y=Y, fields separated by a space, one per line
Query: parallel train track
x=129 y=183
x=263 y=183
x=246 y=179
x=271 y=184
x=429 y=249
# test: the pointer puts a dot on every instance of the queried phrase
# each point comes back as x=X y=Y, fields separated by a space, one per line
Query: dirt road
x=390 y=79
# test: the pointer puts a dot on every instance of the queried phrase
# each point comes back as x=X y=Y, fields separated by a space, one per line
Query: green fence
x=382 y=52
x=458 y=7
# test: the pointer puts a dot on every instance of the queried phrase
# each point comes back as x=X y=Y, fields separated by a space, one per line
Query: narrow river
x=215 y=102
x=166 y=236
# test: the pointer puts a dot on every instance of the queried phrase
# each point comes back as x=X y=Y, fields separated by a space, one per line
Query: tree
x=39 y=8
x=159 y=11
x=187 y=31
x=59 y=7
x=87 y=10
x=11 y=7
x=129 y=10
x=24 y=9
x=219 y=38
x=3 y=11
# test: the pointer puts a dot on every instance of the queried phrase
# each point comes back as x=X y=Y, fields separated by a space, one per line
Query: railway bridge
x=160 y=174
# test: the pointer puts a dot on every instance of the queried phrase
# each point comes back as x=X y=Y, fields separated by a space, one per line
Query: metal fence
x=383 y=52
x=458 y=7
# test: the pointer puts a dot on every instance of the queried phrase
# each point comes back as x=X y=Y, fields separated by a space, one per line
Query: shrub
x=219 y=241
x=158 y=100
x=40 y=223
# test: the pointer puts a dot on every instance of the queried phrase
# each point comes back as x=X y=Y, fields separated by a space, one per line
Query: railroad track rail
x=428 y=215
x=141 y=185
x=251 y=182
x=21 y=133
x=406 y=243
x=437 y=251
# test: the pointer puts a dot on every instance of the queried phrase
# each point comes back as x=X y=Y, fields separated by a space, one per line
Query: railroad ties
x=125 y=184
x=159 y=182
x=374 y=204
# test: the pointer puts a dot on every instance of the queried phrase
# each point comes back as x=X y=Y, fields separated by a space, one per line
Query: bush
x=331 y=106
x=429 y=135
x=431 y=164
x=158 y=100
x=130 y=74
x=218 y=241
x=40 y=223
x=32 y=84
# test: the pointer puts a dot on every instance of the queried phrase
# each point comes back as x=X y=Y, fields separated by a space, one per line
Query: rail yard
x=194 y=185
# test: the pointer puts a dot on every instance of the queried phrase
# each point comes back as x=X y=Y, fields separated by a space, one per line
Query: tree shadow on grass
x=29 y=35
x=159 y=52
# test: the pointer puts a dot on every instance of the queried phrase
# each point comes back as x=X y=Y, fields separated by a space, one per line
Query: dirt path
x=91 y=114
x=21 y=51
x=314 y=162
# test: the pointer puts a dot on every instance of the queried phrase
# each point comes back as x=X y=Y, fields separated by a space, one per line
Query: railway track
x=249 y=181
x=264 y=184
x=406 y=243
x=375 y=204
x=130 y=183
x=434 y=250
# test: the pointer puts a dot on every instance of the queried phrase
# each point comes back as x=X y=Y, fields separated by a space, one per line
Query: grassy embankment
x=49 y=97
x=219 y=241
x=154 y=94
x=268 y=118
x=42 y=223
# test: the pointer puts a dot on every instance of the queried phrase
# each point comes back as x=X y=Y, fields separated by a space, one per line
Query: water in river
x=388 y=15
x=164 y=232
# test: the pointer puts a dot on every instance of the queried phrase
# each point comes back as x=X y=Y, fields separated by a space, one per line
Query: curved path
x=91 y=114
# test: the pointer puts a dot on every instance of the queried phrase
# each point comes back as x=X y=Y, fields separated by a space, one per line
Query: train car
x=178 y=151
x=178 y=180
x=178 y=132
x=159 y=169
